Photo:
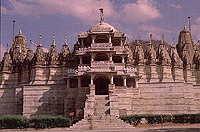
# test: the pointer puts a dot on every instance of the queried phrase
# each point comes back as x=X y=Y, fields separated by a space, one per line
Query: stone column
x=92 y=57
x=110 y=41
x=123 y=59
x=111 y=80
x=92 y=86
x=110 y=57
x=124 y=81
x=121 y=43
x=93 y=38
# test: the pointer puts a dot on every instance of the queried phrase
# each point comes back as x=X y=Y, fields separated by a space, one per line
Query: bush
x=49 y=122
x=156 y=119
x=186 y=118
x=13 y=121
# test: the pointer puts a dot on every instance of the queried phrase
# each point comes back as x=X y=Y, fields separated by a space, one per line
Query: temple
x=102 y=76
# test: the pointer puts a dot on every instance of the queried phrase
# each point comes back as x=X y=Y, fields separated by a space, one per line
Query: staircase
x=101 y=120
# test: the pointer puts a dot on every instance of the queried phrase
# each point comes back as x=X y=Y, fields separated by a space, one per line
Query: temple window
x=73 y=83
x=118 y=81
x=117 y=59
x=101 y=39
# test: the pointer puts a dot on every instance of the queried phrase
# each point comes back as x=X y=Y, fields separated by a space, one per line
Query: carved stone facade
x=101 y=64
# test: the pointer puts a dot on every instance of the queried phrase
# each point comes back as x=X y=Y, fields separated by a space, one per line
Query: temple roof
x=102 y=27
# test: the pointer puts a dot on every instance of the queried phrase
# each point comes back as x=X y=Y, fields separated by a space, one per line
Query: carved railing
x=102 y=66
x=119 y=49
x=83 y=68
x=83 y=50
x=119 y=66
x=71 y=72
x=101 y=46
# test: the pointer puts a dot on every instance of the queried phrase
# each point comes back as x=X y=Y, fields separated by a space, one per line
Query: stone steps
x=100 y=123
x=101 y=120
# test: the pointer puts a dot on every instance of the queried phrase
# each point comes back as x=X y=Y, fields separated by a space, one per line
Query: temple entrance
x=101 y=85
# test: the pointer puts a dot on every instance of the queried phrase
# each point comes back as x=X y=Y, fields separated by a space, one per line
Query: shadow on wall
x=10 y=95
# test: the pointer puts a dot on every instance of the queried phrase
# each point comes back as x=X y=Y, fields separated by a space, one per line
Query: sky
x=71 y=17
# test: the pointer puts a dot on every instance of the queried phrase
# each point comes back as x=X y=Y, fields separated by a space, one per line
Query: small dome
x=102 y=27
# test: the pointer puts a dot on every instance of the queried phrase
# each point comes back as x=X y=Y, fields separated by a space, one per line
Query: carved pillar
x=92 y=57
x=123 y=59
x=111 y=80
x=110 y=57
x=93 y=38
x=121 y=43
x=124 y=81
x=92 y=86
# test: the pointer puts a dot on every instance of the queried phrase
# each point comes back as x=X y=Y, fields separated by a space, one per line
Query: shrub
x=186 y=118
x=13 y=121
x=49 y=122
x=152 y=119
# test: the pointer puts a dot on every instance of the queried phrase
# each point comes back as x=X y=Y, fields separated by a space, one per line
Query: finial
x=54 y=37
x=128 y=39
x=7 y=47
x=65 y=39
x=40 y=42
x=162 y=41
x=138 y=41
x=173 y=42
x=150 y=41
x=188 y=24
x=20 y=31
x=101 y=15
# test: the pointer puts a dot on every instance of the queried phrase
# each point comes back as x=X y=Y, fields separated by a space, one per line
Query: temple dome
x=102 y=27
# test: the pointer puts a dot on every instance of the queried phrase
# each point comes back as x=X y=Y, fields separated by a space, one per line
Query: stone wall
x=10 y=101
x=166 y=98
x=43 y=99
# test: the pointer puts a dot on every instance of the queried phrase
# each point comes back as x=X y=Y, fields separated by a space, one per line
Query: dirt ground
x=167 y=127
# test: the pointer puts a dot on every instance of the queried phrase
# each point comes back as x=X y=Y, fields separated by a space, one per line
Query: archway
x=101 y=85
x=101 y=57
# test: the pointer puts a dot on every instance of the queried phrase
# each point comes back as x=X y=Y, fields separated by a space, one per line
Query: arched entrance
x=101 y=85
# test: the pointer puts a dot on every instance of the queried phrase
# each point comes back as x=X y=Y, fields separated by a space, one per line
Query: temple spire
x=173 y=45
x=101 y=15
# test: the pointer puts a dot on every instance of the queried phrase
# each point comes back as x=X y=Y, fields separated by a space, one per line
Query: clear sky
x=71 y=17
